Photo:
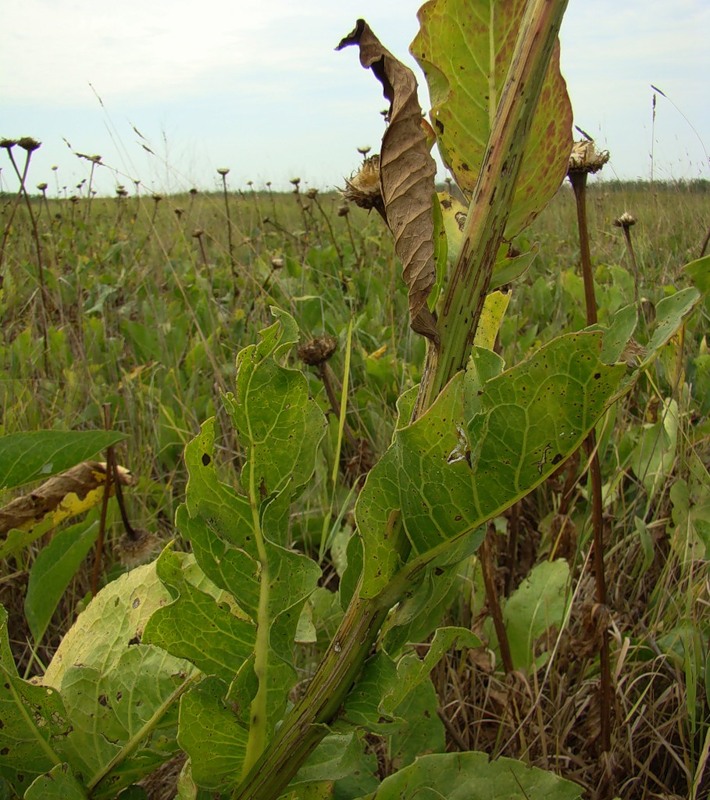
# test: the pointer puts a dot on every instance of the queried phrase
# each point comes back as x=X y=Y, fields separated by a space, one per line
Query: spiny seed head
x=157 y=198
x=311 y=194
x=29 y=144
x=295 y=181
x=625 y=220
x=42 y=186
x=586 y=158
x=277 y=262
x=134 y=551
x=343 y=210
x=8 y=144
x=318 y=350
x=223 y=171
x=363 y=186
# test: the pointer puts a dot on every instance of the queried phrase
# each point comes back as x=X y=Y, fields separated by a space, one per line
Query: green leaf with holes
x=465 y=49
x=482 y=446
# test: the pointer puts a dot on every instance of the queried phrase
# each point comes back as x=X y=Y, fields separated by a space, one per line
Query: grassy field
x=142 y=302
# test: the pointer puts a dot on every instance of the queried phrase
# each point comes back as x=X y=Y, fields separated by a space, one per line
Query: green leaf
x=478 y=449
x=26 y=457
x=669 y=317
x=53 y=569
x=539 y=602
x=655 y=452
x=34 y=722
x=212 y=735
x=618 y=334
x=120 y=695
x=465 y=49
x=197 y=627
x=461 y=776
x=421 y=731
x=699 y=271
x=337 y=756
x=57 y=784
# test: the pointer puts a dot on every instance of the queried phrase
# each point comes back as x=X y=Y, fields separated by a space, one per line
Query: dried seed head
x=193 y=191
x=586 y=158
x=343 y=210
x=311 y=194
x=121 y=191
x=179 y=212
x=363 y=186
x=318 y=350
x=295 y=181
x=157 y=198
x=29 y=144
x=8 y=144
x=42 y=186
x=197 y=233
x=134 y=551
x=364 y=150
x=223 y=171
x=625 y=220
x=277 y=262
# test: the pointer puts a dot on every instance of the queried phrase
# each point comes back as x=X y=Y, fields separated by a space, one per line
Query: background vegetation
x=141 y=302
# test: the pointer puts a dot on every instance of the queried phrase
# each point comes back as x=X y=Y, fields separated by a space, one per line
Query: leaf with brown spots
x=465 y=48
x=407 y=173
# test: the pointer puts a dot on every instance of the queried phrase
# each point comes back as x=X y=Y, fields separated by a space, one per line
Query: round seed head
x=318 y=350
x=277 y=262
x=223 y=171
x=42 y=186
x=625 y=220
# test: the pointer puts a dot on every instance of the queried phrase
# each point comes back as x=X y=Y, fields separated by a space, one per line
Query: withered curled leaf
x=407 y=173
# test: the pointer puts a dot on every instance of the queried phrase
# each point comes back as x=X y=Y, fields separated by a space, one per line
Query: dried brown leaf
x=407 y=173
x=26 y=511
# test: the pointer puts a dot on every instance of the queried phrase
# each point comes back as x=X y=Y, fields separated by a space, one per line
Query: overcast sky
x=257 y=87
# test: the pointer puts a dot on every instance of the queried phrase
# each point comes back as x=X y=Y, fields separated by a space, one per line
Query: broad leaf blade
x=57 y=784
x=465 y=49
x=53 y=569
x=34 y=722
x=460 y=776
x=26 y=457
x=478 y=449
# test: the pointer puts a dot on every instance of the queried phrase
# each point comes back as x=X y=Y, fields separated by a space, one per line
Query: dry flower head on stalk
x=626 y=220
x=363 y=186
x=586 y=158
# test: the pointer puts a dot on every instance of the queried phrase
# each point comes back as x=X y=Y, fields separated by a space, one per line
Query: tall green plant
x=197 y=651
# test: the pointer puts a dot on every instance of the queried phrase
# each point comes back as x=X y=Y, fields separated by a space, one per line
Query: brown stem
x=578 y=179
x=632 y=258
x=99 y=550
x=488 y=570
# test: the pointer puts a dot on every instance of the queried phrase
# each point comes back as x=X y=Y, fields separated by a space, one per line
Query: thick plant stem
x=493 y=194
x=306 y=726
x=578 y=179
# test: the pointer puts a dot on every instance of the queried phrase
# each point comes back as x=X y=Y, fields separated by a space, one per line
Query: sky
x=168 y=91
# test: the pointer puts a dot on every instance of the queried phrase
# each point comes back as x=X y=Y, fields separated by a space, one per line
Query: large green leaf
x=57 y=784
x=33 y=722
x=26 y=457
x=240 y=542
x=465 y=49
x=55 y=566
x=121 y=695
x=462 y=776
x=478 y=449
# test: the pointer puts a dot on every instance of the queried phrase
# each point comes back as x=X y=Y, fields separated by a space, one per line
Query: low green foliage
x=326 y=636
